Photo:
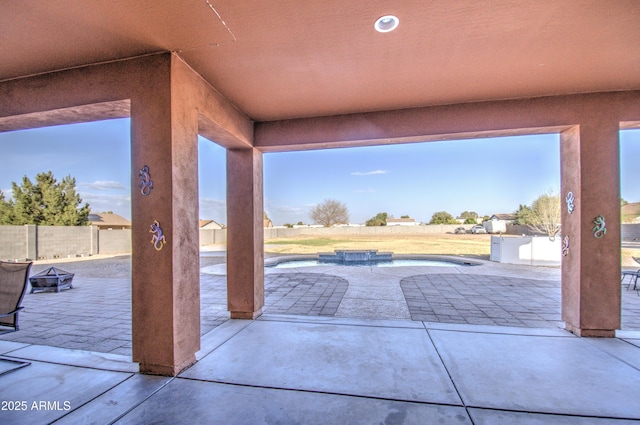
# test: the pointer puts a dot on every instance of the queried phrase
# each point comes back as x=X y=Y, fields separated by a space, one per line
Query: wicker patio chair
x=13 y=286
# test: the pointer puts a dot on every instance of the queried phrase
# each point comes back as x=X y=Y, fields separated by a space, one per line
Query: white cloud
x=103 y=199
x=369 y=173
x=212 y=203
x=102 y=185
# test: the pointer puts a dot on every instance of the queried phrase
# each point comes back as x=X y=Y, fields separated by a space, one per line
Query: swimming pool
x=399 y=262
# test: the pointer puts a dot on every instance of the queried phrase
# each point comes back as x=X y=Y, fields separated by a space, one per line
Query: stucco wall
x=630 y=232
x=114 y=241
x=364 y=230
x=48 y=242
x=213 y=236
x=13 y=242
x=65 y=241
x=219 y=236
x=527 y=250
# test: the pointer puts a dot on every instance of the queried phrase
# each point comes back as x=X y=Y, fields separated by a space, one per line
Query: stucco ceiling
x=284 y=59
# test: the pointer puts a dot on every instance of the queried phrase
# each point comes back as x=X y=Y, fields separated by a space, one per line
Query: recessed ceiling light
x=386 y=23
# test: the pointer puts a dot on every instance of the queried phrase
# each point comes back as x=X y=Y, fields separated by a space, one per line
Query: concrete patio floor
x=286 y=369
x=335 y=346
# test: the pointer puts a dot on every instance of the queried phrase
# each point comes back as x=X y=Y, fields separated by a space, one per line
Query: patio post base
x=247 y=315
x=166 y=370
x=591 y=333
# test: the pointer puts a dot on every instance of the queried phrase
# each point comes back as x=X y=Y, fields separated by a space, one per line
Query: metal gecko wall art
x=158 y=240
x=570 y=199
x=145 y=181
x=570 y=202
x=600 y=228
x=565 y=246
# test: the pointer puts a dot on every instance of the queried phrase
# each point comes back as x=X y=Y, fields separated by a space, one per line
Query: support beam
x=245 y=234
x=165 y=276
x=590 y=169
x=444 y=122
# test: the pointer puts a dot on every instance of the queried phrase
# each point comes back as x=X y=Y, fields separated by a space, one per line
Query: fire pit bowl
x=51 y=279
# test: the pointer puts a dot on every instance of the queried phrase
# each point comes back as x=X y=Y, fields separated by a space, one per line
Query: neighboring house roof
x=210 y=224
x=504 y=217
x=109 y=220
x=630 y=212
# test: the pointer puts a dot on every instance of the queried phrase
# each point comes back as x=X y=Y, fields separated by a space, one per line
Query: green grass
x=307 y=242
x=477 y=246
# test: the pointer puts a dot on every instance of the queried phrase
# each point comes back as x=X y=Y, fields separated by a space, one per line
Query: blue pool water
x=287 y=264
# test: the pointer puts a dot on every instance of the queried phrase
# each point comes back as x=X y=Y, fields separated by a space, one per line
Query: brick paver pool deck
x=96 y=314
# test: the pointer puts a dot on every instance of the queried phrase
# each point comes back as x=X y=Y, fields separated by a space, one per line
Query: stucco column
x=245 y=234
x=590 y=170
x=165 y=272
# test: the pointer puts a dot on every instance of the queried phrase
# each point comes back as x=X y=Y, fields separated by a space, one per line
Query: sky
x=488 y=176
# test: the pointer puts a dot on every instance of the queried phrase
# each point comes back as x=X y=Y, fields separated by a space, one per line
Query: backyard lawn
x=474 y=246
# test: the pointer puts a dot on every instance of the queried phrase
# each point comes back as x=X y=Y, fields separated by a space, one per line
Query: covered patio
x=259 y=77
x=165 y=287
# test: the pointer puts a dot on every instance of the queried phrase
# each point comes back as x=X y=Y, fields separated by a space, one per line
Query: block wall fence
x=50 y=242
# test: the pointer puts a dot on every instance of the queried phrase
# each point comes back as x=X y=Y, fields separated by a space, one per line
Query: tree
x=6 y=210
x=266 y=219
x=469 y=214
x=442 y=217
x=47 y=202
x=524 y=215
x=623 y=202
x=330 y=212
x=546 y=214
x=470 y=217
x=379 y=220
